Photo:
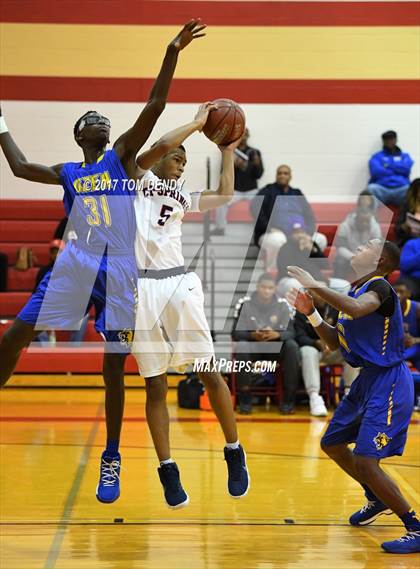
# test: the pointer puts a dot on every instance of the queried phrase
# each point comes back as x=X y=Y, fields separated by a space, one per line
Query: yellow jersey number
x=94 y=216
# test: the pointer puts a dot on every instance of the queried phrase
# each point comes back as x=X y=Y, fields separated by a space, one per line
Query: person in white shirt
x=171 y=327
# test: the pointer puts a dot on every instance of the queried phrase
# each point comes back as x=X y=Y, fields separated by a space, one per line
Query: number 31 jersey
x=99 y=201
x=160 y=206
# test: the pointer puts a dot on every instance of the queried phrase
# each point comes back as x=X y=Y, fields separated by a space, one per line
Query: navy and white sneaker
x=408 y=543
x=175 y=495
x=369 y=512
x=108 y=489
x=238 y=475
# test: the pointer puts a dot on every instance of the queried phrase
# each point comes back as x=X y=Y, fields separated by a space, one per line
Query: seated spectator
x=357 y=228
x=314 y=352
x=48 y=336
x=248 y=169
x=263 y=330
x=390 y=171
x=55 y=247
x=411 y=317
x=275 y=208
x=4 y=266
x=410 y=266
x=299 y=250
x=407 y=224
x=366 y=201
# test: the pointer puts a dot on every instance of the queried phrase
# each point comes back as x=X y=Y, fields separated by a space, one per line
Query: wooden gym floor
x=295 y=515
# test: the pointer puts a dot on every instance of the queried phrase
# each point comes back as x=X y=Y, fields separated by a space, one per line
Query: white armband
x=315 y=319
x=3 y=126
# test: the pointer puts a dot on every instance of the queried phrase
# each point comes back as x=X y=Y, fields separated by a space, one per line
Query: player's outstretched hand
x=301 y=300
x=189 y=32
x=203 y=114
x=305 y=278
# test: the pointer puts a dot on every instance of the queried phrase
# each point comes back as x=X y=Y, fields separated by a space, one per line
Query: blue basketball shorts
x=79 y=279
x=376 y=413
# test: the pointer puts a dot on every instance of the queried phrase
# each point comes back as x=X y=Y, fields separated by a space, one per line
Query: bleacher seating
x=41 y=251
x=34 y=231
x=12 y=302
x=21 y=280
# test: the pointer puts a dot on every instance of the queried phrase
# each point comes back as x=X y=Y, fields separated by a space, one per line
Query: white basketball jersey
x=160 y=206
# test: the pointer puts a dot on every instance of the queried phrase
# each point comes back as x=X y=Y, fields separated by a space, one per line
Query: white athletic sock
x=167 y=461
x=232 y=446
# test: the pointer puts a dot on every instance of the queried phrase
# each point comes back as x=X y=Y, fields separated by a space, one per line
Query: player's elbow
x=163 y=145
x=157 y=104
x=225 y=198
x=19 y=169
x=354 y=309
x=225 y=194
x=355 y=312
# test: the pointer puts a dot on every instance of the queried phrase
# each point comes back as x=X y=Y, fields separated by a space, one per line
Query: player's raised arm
x=174 y=138
x=128 y=144
x=211 y=199
x=304 y=303
x=19 y=164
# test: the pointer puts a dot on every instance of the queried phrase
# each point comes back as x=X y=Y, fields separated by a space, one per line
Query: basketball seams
x=230 y=126
x=213 y=132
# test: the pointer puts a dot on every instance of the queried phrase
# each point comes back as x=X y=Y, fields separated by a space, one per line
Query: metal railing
x=206 y=228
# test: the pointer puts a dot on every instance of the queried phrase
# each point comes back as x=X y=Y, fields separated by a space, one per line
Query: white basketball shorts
x=171 y=326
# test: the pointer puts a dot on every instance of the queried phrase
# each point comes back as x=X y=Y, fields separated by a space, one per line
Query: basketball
x=225 y=124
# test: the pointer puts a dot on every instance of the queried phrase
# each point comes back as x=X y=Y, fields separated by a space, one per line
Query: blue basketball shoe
x=175 y=495
x=108 y=489
x=408 y=543
x=369 y=512
x=238 y=475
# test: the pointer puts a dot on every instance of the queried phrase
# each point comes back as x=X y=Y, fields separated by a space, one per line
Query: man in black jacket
x=301 y=250
x=276 y=208
x=263 y=329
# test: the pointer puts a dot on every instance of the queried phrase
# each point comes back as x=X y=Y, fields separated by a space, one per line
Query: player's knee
x=333 y=451
x=156 y=388
x=114 y=383
x=10 y=342
x=211 y=380
x=325 y=447
x=114 y=369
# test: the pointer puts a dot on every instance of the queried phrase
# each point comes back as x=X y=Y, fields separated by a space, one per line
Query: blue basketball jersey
x=373 y=339
x=99 y=204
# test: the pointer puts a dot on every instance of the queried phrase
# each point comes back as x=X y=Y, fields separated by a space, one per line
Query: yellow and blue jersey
x=98 y=200
x=99 y=267
x=372 y=340
x=376 y=412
